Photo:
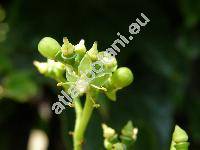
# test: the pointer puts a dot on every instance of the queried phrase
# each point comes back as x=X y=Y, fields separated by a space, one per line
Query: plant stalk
x=82 y=120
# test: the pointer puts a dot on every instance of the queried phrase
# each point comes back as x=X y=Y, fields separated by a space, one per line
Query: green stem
x=82 y=122
x=78 y=110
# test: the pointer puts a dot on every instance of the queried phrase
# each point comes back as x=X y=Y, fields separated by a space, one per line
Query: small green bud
x=179 y=139
x=93 y=52
x=129 y=134
x=122 y=77
x=67 y=48
x=130 y=131
x=179 y=135
x=80 y=48
x=48 y=47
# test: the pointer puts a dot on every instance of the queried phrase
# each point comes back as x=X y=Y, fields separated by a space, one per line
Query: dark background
x=164 y=56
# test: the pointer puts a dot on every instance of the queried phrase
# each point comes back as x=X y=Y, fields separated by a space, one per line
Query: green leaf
x=19 y=86
x=70 y=74
x=5 y=63
x=100 y=80
x=112 y=94
x=85 y=65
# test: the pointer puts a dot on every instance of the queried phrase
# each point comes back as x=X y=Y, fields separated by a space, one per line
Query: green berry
x=49 y=47
x=122 y=77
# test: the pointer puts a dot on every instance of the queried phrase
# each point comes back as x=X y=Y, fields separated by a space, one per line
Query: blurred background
x=164 y=56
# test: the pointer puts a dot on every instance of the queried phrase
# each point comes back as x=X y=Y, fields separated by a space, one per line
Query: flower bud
x=80 y=48
x=122 y=77
x=129 y=134
x=67 y=48
x=51 y=68
x=93 y=52
x=130 y=131
x=42 y=67
x=110 y=62
x=81 y=86
x=55 y=69
x=48 y=47
x=179 y=135
x=107 y=131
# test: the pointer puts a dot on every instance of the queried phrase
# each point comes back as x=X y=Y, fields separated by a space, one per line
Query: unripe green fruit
x=48 y=47
x=122 y=77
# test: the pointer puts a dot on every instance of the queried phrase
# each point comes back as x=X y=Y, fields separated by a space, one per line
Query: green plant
x=179 y=139
x=81 y=72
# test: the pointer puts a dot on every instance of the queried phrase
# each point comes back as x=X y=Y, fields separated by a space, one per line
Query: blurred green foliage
x=165 y=58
